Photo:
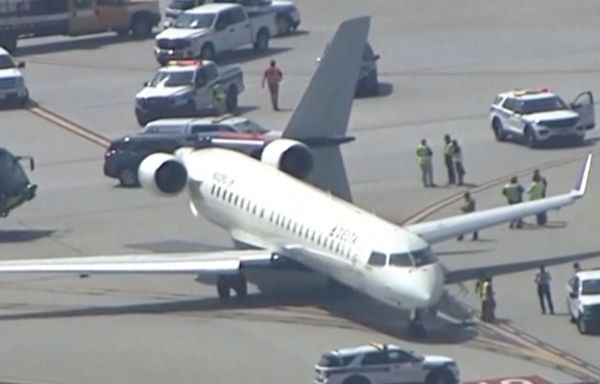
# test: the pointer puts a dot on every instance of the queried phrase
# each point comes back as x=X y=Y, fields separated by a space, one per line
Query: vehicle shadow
x=242 y=109
x=77 y=43
x=24 y=235
x=239 y=56
x=292 y=298
x=296 y=33
x=385 y=89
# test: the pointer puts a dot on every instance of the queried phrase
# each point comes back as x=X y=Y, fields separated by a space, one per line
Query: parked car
x=206 y=31
x=583 y=300
x=12 y=82
x=185 y=88
x=287 y=14
x=539 y=116
x=222 y=127
x=382 y=364
x=123 y=157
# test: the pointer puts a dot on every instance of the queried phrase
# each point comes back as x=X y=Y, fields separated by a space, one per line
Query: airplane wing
x=443 y=229
x=461 y=275
x=204 y=263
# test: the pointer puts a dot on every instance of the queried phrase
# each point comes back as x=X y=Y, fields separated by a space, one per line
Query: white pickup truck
x=204 y=32
x=12 y=84
x=185 y=88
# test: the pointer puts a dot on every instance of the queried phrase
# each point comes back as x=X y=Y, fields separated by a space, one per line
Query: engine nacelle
x=289 y=156
x=163 y=174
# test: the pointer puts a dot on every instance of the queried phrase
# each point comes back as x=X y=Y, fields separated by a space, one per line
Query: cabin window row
x=281 y=221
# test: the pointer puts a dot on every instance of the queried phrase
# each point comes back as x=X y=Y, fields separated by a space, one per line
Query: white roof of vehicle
x=529 y=94
x=212 y=8
x=591 y=274
x=362 y=349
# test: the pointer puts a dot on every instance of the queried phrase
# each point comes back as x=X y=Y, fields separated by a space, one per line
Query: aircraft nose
x=429 y=284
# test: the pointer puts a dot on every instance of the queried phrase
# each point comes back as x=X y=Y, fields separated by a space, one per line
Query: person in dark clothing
x=449 y=159
x=542 y=280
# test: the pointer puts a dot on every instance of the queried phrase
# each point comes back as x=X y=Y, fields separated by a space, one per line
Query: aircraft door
x=584 y=106
x=84 y=18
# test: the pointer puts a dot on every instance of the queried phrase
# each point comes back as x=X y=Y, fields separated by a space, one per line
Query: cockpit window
x=377 y=259
x=413 y=259
x=401 y=260
x=423 y=257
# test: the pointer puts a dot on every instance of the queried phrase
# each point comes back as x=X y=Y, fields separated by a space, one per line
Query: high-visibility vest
x=536 y=190
x=423 y=153
x=512 y=193
x=219 y=92
x=448 y=149
x=486 y=291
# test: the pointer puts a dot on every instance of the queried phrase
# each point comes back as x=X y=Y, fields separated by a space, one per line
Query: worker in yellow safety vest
x=484 y=288
x=219 y=96
x=513 y=191
x=536 y=191
x=424 y=154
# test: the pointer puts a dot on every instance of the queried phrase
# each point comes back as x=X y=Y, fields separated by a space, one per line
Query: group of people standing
x=513 y=191
x=453 y=161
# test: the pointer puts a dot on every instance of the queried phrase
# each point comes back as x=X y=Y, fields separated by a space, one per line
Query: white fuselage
x=266 y=208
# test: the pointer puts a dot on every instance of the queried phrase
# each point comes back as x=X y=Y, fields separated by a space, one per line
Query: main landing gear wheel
x=237 y=283
x=416 y=328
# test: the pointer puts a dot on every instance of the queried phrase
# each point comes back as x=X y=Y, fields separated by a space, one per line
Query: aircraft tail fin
x=324 y=111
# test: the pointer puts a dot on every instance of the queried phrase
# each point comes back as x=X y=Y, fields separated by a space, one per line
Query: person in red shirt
x=273 y=77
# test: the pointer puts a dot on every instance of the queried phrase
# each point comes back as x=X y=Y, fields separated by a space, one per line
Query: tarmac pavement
x=441 y=65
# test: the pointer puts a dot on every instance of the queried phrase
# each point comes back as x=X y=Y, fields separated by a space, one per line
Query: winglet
x=582 y=179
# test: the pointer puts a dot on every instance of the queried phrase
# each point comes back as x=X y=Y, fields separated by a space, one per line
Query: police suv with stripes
x=384 y=363
x=538 y=116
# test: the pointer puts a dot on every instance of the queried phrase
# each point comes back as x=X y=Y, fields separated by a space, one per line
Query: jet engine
x=289 y=156
x=162 y=174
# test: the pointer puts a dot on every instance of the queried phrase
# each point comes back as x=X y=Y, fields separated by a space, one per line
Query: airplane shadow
x=292 y=298
x=24 y=235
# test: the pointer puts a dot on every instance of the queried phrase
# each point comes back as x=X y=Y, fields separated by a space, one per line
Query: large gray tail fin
x=321 y=118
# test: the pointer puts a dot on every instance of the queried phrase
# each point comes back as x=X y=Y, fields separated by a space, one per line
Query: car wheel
x=356 y=380
x=441 y=376
x=284 y=25
x=498 y=130
x=141 y=26
x=128 y=177
x=530 y=139
x=207 y=52
x=262 y=41
x=582 y=325
x=231 y=102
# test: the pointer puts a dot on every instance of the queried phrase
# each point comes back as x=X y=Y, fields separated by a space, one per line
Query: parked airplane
x=293 y=206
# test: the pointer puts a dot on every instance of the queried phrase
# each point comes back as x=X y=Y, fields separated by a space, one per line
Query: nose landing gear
x=237 y=283
x=416 y=328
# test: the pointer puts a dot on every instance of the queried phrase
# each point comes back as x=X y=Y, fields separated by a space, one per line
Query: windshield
x=545 y=104
x=189 y=20
x=590 y=287
x=6 y=62
x=172 y=79
x=184 y=4
x=413 y=259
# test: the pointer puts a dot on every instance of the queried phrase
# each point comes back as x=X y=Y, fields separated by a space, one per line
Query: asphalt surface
x=441 y=65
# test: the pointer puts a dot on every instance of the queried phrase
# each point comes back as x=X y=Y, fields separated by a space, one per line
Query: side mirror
x=146 y=83
x=376 y=57
x=573 y=295
x=168 y=24
x=21 y=64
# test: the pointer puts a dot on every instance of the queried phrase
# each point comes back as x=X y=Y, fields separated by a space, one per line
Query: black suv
x=124 y=155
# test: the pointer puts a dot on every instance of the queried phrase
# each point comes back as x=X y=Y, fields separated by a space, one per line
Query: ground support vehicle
x=541 y=116
x=205 y=32
x=12 y=82
x=186 y=88
x=583 y=300
x=15 y=187
x=31 y=18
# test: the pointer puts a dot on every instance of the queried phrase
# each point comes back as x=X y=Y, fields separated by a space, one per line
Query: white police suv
x=12 y=83
x=583 y=300
x=538 y=116
x=384 y=363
